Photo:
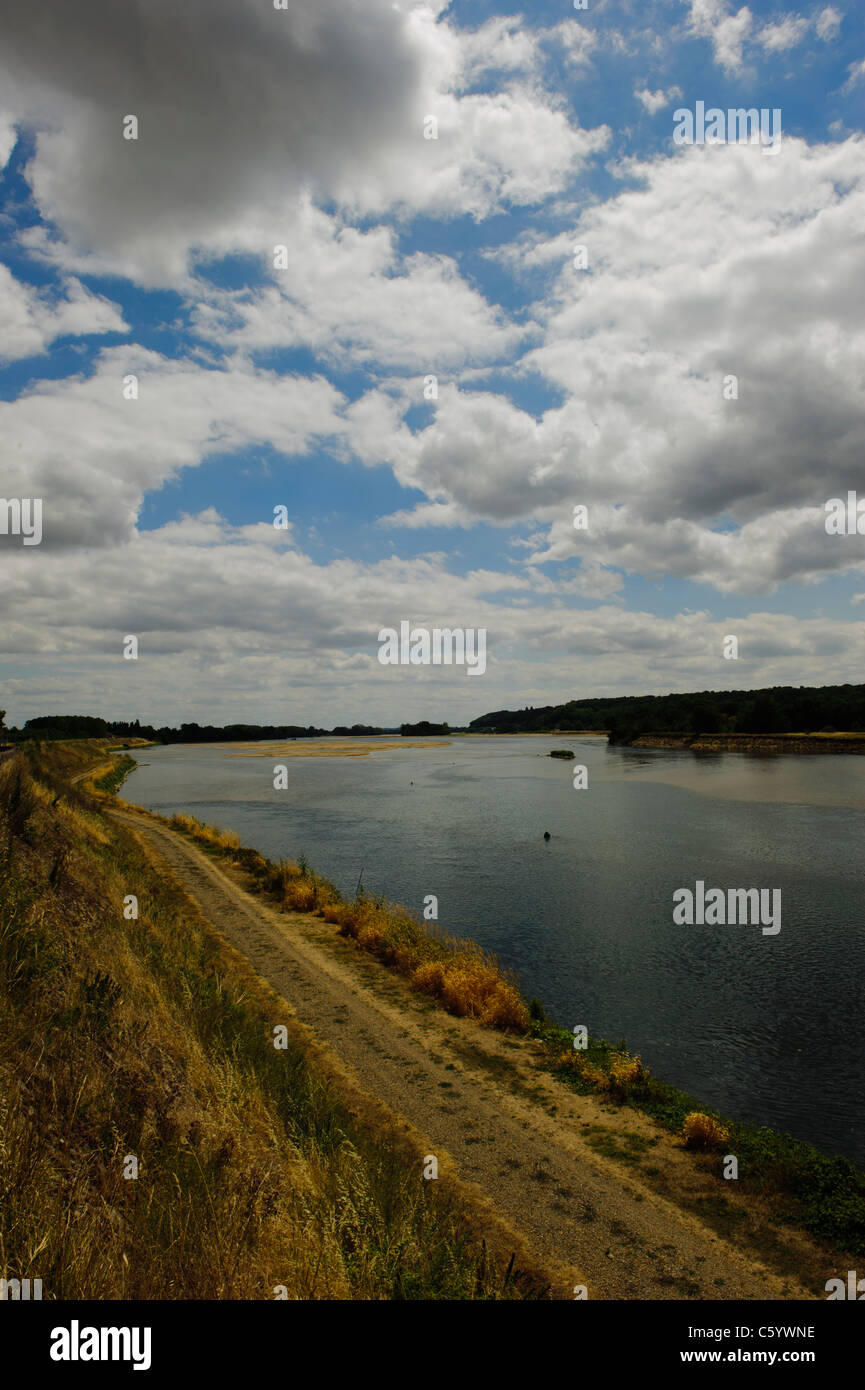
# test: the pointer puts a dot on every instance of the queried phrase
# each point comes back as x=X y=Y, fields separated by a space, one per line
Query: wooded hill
x=778 y=709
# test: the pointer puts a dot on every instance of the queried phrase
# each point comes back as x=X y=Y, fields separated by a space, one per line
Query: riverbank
x=831 y=1205
x=520 y=1113
x=169 y=1129
x=753 y=743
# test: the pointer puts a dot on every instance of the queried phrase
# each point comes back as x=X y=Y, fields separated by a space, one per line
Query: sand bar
x=315 y=748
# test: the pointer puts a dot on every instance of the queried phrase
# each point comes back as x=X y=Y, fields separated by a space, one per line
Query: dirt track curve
x=481 y=1098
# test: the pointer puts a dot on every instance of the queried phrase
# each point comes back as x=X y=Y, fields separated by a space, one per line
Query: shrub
x=626 y=1074
x=429 y=978
x=300 y=895
x=701 y=1131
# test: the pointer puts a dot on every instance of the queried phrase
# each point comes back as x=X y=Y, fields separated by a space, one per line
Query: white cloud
x=91 y=455
x=786 y=33
x=577 y=40
x=744 y=266
x=731 y=31
x=656 y=101
x=243 y=112
x=8 y=138
x=30 y=319
x=350 y=297
x=828 y=23
x=264 y=632
x=856 y=74
x=727 y=31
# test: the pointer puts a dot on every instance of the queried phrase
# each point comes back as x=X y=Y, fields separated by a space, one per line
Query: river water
x=767 y=1027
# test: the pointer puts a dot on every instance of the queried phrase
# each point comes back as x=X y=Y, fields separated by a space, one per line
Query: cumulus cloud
x=242 y=108
x=350 y=296
x=726 y=30
x=745 y=268
x=305 y=128
x=656 y=101
x=91 y=454
x=30 y=319
x=266 y=632
x=730 y=32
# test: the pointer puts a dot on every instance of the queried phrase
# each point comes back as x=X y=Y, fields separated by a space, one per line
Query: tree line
x=777 y=709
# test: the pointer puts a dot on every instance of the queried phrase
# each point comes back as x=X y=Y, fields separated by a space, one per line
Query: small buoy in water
x=546 y=835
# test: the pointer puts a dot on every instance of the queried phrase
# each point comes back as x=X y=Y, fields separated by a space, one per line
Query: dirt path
x=480 y=1097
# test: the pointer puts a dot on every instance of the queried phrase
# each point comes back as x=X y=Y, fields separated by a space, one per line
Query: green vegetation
x=74 y=726
x=149 y=1039
x=777 y=710
x=781 y=709
x=113 y=779
x=358 y=731
x=823 y=1193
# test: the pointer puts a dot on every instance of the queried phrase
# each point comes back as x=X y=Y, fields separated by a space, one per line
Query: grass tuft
x=701 y=1131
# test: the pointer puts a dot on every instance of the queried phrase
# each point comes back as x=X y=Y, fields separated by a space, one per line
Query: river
x=760 y=1026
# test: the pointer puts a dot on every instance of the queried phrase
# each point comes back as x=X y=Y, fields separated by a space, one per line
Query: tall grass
x=460 y=975
x=149 y=1039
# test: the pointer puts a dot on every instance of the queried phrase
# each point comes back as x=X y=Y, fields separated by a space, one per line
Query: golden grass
x=149 y=1038
x=701 y=1131
x=212 y=835
x=616 y=1074
x=465 y=979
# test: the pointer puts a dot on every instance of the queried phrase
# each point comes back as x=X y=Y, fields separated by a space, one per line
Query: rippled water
x=766 y=1027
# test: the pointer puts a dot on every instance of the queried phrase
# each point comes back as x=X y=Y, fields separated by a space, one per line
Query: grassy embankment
x=801 y=1186
x=150 y=1040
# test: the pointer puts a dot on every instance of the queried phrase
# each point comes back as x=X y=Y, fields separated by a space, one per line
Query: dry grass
x=701 y=1131
x=147 y=1038
x=460 y=975
x=211 y=835
x=465 y=979
x=617 y=1074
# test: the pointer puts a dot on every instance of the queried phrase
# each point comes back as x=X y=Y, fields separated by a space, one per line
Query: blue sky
x=408 y=257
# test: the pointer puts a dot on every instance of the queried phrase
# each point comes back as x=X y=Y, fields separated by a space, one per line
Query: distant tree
x=763 y=717
x=709 y=720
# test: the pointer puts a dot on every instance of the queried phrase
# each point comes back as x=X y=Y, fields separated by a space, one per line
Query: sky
x=427 y=277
